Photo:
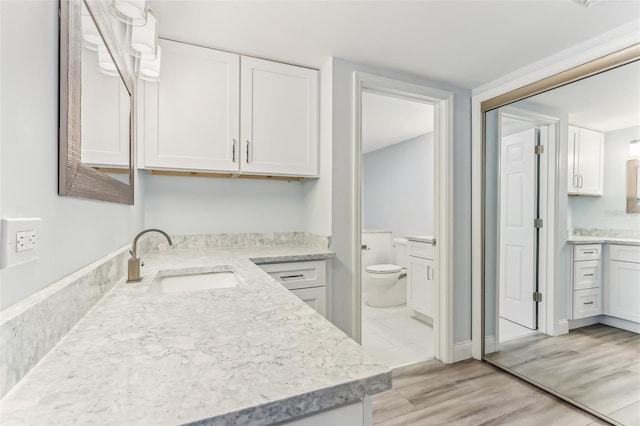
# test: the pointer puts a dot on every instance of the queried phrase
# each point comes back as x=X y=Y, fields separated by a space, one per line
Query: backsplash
x=610 y=233
x=32 y=327
x=268 y=239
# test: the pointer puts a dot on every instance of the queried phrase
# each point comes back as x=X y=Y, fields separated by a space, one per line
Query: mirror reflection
x=562 y=254
x=105 y=104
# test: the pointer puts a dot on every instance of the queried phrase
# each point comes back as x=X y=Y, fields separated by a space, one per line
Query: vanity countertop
x=602 y=240
x=421 y=239
x=249 y=355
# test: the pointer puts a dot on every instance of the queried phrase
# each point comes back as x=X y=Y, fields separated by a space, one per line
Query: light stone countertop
x=250 y=355
x=601 y=240
x=421 y=238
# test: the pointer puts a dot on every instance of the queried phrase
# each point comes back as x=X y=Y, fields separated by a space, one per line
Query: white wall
x=318 y=191
x=342 y=194
x=75 y=232
x=195 y=205
x=397 y=188
x=609 y=211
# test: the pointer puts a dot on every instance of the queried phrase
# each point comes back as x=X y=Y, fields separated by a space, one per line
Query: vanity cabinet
x=622 y=295
x=585 y=173
x=586 y=278
x=306 y=280
x=220 y=112
x=421 y=278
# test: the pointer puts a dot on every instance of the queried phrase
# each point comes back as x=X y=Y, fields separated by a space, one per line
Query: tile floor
x=394 y=336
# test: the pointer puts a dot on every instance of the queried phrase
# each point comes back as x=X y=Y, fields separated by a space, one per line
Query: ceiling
x=387 y=120
x=604 y=102
x=464 y=43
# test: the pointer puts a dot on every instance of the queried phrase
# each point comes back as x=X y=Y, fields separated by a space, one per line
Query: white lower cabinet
x=586 y=281
x=316 y=297
x=421 y=276
x=622 y=290
x=307 y=280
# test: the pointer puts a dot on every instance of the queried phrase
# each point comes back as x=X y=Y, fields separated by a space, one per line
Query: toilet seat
x=385 y=268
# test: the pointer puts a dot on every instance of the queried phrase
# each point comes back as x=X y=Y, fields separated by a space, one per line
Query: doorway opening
x=525 y=141
x=397 y=205
x=435 y=306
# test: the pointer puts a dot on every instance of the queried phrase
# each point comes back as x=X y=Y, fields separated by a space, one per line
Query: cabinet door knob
x=428 y=271
x=247 y=151
x=581 y=179
x=575 y=181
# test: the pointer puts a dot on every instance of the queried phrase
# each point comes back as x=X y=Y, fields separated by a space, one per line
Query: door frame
x=442 y=102
x=547 y=205
x=576 y=67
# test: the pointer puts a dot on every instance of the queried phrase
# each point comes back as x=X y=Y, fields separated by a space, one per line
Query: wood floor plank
x=597 y=366
x=469 y=393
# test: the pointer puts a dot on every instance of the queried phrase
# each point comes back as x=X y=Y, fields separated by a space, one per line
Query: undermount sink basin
x=177 y=281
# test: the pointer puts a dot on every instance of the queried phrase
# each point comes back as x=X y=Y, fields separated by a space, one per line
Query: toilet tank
x=378 y=248
x=400 y=252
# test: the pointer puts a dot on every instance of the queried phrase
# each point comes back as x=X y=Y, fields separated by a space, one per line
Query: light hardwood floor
x=470 y=393
x=598 y=366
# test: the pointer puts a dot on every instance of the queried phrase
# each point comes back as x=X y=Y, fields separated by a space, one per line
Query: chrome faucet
x=135 y=263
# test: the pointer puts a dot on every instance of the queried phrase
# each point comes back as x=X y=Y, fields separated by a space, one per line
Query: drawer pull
x=588 y=252
x=588 y=303
x=589 y=275
x=287 y=277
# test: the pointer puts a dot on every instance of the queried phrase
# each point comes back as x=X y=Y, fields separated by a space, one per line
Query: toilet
x=387 y=283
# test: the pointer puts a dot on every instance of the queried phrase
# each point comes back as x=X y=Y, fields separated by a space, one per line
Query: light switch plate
x=19 y=241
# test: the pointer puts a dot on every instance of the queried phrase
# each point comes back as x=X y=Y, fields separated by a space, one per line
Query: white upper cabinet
x=279 y=118
x=191 y=115
x=585 y=175
x=215 y=111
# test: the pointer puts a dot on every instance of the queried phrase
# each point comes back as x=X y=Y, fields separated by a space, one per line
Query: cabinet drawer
x=587 y=303
x=624 y=253
x=421 y=250
x=586 y=274
x=295 y=275
x=587 y=252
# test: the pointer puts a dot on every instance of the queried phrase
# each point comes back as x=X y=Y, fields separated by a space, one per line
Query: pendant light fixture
x=131 y=12
x=91 y=39
x=105 y=62
x=149 y=69
x=143 y=41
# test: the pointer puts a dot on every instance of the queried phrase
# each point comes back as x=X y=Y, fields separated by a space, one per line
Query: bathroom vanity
x=605 y=280
x=249 y=353
x=422 y=275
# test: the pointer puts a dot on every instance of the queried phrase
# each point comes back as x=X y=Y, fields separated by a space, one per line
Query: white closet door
x=517 y=232
x=279 y=118
x=191 y=115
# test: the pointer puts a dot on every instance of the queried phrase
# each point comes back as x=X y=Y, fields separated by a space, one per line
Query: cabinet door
x=315 y=297
x=572 y=171
x=590 y=162
x=191 y=115
x=623 y=291
x=420 y=292
x=279 y=118
x=105 y=116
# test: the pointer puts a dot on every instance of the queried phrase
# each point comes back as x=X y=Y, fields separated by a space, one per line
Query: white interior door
x=517 y=232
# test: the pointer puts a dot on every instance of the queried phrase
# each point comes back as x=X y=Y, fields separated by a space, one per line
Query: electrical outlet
x=26 y=240
x=19 y=241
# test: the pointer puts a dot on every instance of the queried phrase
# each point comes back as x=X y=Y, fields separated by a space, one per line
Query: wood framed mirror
x=102 y=109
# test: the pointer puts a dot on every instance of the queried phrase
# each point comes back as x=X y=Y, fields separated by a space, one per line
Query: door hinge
x=537 y=296
x=539 y=149
x=538 y=223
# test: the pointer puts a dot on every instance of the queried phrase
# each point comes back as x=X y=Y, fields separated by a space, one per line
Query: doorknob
x=365 y=247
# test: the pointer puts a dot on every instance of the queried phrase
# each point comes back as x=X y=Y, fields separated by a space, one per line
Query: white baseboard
x=461 y=350
x=489 y=344
x=583 y=322
x=562 y=327
x=620 y=323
